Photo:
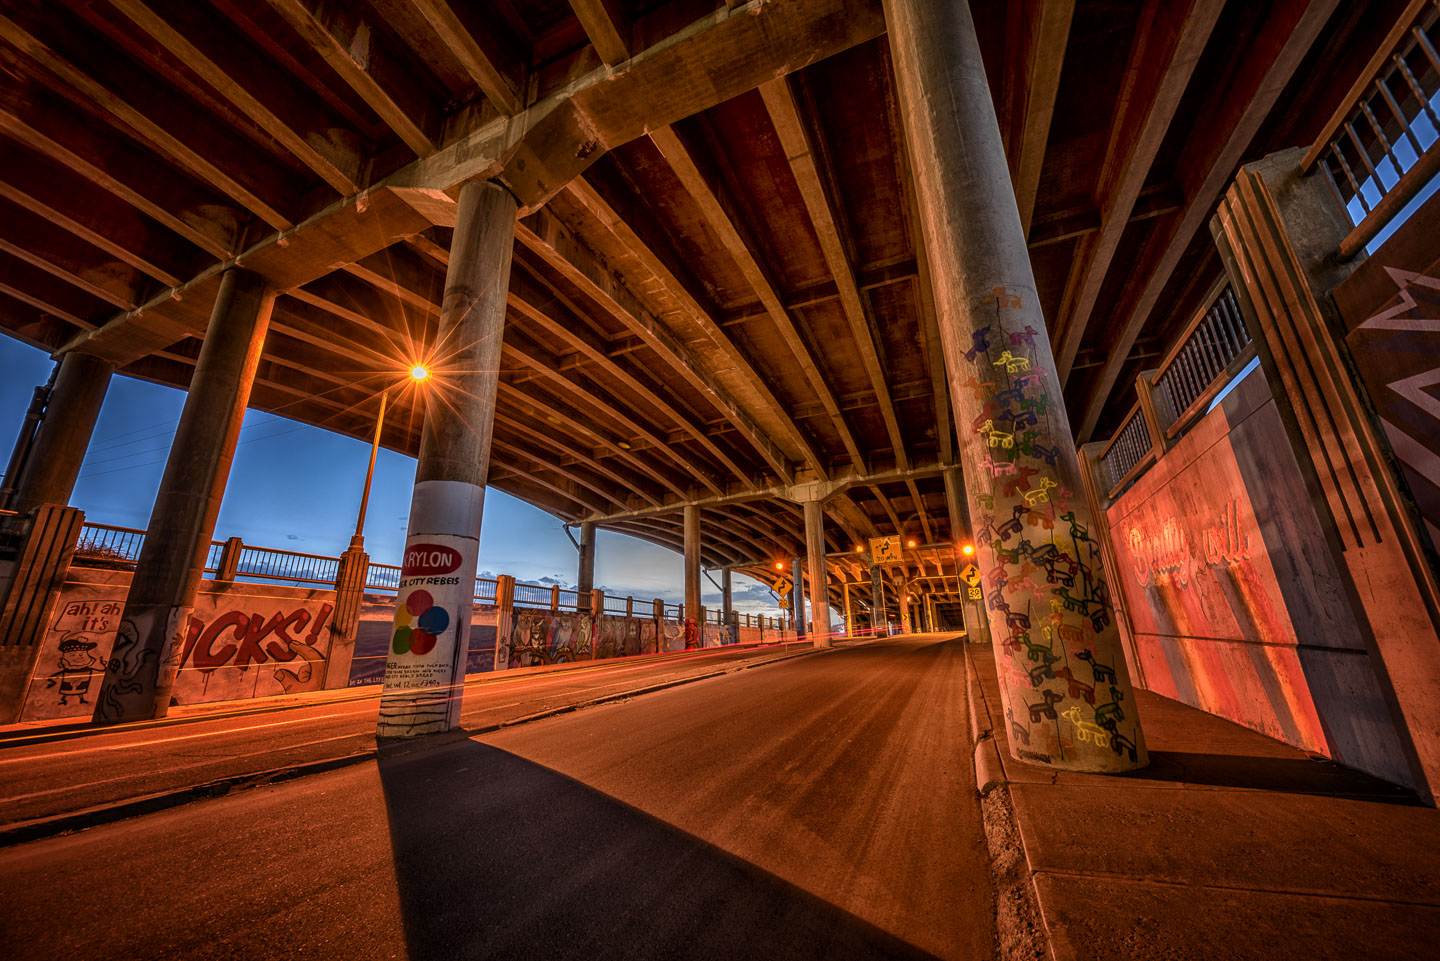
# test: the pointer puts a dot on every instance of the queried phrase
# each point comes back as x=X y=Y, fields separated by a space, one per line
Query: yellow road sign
x=885 y=550
x=975 y=594
x=971 y=575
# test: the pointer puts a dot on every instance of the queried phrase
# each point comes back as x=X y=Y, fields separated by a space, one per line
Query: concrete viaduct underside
x=719 y=292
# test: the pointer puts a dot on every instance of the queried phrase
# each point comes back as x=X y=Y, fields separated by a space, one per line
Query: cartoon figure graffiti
x=78 y=664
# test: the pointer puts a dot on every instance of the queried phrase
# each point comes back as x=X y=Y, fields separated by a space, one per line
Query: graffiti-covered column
x=146 y=655
x=1068 y=699
x=424 y=675
x=879 y=616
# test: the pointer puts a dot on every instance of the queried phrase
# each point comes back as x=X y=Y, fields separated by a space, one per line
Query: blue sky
x=298 y=488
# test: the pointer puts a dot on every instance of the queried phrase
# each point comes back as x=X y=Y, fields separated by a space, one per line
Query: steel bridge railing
x=1379 y=149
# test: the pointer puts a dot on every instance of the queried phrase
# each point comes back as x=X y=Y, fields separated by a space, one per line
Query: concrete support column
x=849 y=613
x=53 y=461
x=692 y=624
x=879 y=620
x=727 y=606
x=147 y=650
x=586 y=576
x=797 y=598
x=504 y=619
x=424 y=676
x=1015 y=440
x=815 y=567
x=350 y=576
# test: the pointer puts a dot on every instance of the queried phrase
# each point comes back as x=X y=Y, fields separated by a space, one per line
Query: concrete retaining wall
x=1236 y=603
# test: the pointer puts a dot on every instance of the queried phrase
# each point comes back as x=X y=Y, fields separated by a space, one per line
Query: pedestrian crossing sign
x=970 y=575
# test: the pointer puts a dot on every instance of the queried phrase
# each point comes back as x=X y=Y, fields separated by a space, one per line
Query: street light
x=418 y=374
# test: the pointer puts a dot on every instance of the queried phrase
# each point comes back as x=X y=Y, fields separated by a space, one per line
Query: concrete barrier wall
x=1236 y=604
x=242 y=641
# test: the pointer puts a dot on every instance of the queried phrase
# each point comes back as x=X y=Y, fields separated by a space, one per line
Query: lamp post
x=418 y=374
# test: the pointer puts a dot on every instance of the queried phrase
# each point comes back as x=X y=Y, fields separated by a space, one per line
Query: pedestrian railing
x=1379 y=149
x=1193 y=371
x=111 y=546
x=1210 y=351
x=383 y=577
x=272 y=564
x=1129 y=451
x=532 y=595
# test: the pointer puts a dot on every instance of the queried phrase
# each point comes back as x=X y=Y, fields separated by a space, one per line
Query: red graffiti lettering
x=207 y=659
x=251 y=630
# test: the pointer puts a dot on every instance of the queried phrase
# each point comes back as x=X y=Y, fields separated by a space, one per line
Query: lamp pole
x=418 y=374
x=359 y=539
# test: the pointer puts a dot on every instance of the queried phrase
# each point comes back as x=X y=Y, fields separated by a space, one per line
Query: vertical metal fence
x=1203 y=355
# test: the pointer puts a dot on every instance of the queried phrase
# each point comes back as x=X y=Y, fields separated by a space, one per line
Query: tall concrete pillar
x=1015 y=440
x=424 y=675
x=849 y=613
x=692 y=564
x=815 y=568
x=879 y=619
x=586 y=575
x=797 y=598
x=54 y=458
x=146 y=655
x=727 y=606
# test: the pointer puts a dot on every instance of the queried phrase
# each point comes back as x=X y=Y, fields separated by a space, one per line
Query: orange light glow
x=859 y=549
x=418 y=373
x=910 y=543
x=779 y=566
x=967 y=550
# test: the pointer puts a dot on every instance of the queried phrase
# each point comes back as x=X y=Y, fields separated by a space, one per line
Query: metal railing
x=1128 y=451
x=1379 y=149
x=109 y=544
x=532 y=595
x=1202 y=353
x=384 y=577
x=106 y=542
x=272 y=564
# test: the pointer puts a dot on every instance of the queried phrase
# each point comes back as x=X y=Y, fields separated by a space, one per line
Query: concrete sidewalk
x=1229 y=845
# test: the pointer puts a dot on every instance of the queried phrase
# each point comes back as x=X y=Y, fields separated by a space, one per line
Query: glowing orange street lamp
x=418 y=374
x=910 y=542
x=779 y=565
x=968 y=549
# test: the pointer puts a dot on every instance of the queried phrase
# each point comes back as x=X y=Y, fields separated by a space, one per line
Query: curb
x=989 y=770
x=39 y=828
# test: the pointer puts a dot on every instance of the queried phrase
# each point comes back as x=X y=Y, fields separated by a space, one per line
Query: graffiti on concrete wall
x=375 y=630
x=1235 y=601
x=1395 y=342
x=254 y=641
x=543 y=637
x=77 y=644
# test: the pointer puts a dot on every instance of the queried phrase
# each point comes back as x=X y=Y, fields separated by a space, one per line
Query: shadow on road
x=1286 y=775
x=498 y=857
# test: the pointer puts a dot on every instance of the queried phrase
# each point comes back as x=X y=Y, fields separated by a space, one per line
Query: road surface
x=821 y=807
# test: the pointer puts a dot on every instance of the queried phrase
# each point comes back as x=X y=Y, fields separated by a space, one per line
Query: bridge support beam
x=585 y=579
x=424 y=675
x=879 y=617
x=816 y=573
x=54 y=458
x=1015 y=441
x=148 y=648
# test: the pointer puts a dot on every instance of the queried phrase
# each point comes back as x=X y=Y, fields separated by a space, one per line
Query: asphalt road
x=821 y=807
x=48 y=771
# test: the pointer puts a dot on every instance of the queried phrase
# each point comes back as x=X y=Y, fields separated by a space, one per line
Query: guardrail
x=532 y=595
x=1129 y=451
x=105 y=542
x=384 y=577
x=1378 y=151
